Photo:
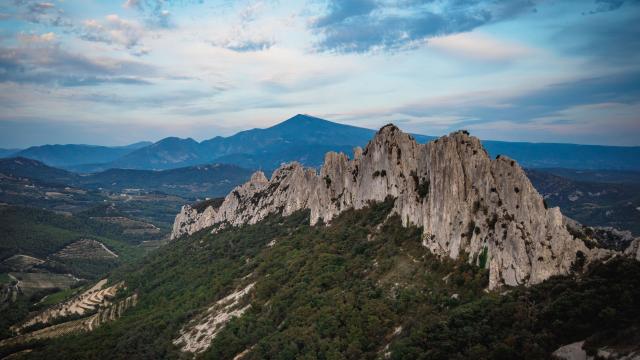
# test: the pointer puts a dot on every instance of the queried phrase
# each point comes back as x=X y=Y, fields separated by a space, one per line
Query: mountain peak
x=465 y=202
x=304 y=120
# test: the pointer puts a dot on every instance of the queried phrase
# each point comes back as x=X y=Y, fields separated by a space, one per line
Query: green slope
x=40 y=233
x=340 y=292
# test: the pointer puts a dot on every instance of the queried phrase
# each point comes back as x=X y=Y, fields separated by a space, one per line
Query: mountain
x=306 y=139
x=302 y=138
x=191 y=182
x=363 y=287
x=70 y=155
x=167 y=153
x=8 y=152
x=465 y=203
x=20 y=167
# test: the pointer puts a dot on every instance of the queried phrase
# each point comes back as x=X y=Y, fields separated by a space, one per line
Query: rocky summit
x=465 y=202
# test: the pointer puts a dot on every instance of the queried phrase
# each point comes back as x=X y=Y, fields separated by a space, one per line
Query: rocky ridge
x=464 y=201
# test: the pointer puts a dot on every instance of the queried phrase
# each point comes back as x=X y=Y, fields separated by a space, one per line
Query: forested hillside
x=362 y=288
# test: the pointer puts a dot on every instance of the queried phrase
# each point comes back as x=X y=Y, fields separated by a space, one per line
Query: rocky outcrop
x=463 y=200
x=198 y=334
x=634 y=249
x=603 y=237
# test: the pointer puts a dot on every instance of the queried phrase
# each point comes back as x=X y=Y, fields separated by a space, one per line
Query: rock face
x=634 y=249
x=464 y=201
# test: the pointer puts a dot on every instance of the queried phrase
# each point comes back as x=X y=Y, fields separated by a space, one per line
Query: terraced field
x=21 y=262
x=31 y=283
x=83 y=312
x=83 y=304
x=109 y=313
x=132 y=227
x=86 y=249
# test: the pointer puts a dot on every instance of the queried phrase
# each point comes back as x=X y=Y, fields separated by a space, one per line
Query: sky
x=121 y=71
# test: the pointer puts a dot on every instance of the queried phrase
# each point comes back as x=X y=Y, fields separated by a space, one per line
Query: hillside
x=362 y=288
x=41 y=233
x=7 y=152
x=21 y=167
x=465 y=202
x=406 y=250
x=191 y=182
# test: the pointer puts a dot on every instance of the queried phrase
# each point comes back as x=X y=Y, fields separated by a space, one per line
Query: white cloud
x=478 y=46
x=115 y=30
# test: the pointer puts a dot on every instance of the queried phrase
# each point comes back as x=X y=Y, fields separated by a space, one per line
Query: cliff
x=463 y=200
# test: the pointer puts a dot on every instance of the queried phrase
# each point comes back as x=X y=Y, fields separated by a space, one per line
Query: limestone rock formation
x=634 y=249
x=464 y=201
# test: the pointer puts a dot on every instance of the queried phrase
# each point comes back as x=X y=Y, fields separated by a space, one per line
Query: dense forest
x=360 y=288
x=39 y=232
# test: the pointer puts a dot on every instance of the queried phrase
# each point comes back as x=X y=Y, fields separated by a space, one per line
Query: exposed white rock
x=464 y=201
x=634 y=249
x=575 y=351
x=198 y=334
x=571 y=352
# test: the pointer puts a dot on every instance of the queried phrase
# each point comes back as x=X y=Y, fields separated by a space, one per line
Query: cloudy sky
x=116 y=72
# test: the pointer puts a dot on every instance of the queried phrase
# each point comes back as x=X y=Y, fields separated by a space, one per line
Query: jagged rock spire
x=463 y=200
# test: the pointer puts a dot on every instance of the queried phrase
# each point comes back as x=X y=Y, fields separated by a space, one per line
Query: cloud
x=38 y=59
x=115 y=30
x=609 y=5
x=478 y=46
x=244 y=35
x=610 y=39
x=155 y=11
x=45 y=13
x=340 y=11
x=522 y=105
x=363 y=26
x=248 y=45
x=179 y=98
x=597 y=123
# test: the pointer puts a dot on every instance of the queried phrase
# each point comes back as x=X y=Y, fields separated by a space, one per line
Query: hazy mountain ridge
x=8 y=152
x=76 y=154
x=193 y=182
x=305 y=139
x=302 y=138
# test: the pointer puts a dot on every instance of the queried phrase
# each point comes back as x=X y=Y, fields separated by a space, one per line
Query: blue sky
x=117 y=72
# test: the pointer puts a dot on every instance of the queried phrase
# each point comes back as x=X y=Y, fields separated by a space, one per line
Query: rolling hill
x=191 y=182
x=72 y=154
x=8 y=152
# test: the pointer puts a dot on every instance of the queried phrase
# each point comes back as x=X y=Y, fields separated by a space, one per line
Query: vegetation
x=38 y=232
x=348 y=290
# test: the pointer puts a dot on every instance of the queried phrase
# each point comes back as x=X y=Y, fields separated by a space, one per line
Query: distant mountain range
x=305 y=139
x=190 y=182
x=72 y=154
